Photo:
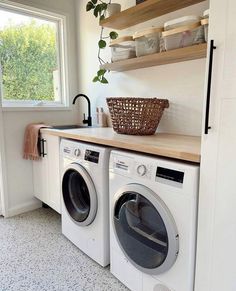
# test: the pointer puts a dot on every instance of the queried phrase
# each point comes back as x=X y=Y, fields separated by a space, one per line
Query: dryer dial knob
x=141 y=170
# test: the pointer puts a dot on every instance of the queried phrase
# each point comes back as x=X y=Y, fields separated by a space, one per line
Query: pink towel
x=32 y=131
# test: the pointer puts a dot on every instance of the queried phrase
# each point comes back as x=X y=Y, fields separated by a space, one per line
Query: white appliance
x=85 y=204
x=153 y=213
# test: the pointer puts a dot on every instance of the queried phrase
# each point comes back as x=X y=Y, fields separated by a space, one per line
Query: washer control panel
x=72 y=152
x=91 y=156
x=83 y=153
x=77 y=152
x=143 y=170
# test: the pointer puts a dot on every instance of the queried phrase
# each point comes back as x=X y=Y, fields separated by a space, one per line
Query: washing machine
x=153 y=218
x=85 y=203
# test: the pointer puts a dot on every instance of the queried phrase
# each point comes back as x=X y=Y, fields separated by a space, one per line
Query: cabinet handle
x=212 y=47
x=42 y=152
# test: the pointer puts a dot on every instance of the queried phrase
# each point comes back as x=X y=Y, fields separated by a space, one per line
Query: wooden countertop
x=175 y=146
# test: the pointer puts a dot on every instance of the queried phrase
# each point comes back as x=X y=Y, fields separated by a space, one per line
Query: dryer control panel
x=165 y=172
x=128 y=166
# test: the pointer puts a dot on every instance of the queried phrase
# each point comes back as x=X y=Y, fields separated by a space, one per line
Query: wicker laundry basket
x=136 y=116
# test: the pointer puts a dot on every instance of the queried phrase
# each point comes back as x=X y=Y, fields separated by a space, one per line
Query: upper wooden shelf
x=173 y=56
x=145 y=11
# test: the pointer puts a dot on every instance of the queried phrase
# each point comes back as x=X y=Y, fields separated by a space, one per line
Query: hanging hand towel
x=32 y=132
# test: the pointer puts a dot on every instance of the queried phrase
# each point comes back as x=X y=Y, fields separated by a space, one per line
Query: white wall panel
x=19 y=171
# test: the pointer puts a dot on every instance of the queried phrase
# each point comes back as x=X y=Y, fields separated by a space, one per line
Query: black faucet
x=89 y=120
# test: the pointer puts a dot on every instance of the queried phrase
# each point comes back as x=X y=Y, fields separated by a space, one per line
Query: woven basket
x=137 y=116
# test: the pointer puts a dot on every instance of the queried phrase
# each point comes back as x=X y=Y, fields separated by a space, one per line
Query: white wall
x=181 y=83
x=19 y=171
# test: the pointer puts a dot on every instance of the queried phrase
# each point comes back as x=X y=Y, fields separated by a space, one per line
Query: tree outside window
x=29 y=58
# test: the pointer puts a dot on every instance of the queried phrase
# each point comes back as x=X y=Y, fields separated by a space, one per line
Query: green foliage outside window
x=28 y=58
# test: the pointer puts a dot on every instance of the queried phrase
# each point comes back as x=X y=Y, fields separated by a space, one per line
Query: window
x=32 y=57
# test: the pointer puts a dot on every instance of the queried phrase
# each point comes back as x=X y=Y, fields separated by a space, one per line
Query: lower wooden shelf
x=173 y=56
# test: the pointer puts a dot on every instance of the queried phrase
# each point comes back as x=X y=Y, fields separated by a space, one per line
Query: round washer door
x=145 y=229
x=79 y=194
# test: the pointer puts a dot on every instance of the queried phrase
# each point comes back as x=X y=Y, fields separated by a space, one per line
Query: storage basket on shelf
x=183 y=32
x=183 y=36
x=205 y=23
x=136 y=116
x=122 y=48
x=147 y=41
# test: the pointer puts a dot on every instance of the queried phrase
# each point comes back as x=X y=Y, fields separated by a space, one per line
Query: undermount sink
x=70 y=126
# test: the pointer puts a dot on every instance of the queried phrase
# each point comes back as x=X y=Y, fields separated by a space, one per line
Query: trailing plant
x=99 y=8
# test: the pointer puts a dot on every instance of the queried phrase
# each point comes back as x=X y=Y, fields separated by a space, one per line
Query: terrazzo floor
x=35 y=256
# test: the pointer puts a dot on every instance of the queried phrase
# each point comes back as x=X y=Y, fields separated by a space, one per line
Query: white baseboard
x=25 y=207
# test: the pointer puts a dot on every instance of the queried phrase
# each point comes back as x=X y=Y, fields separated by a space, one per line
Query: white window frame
x=60 y=21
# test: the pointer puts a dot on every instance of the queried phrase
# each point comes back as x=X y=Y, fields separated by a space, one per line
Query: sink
x=70 y=126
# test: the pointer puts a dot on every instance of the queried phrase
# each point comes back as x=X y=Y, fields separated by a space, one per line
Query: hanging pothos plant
x=99 y=10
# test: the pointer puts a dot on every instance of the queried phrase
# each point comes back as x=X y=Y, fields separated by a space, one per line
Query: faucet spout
x=89 y=120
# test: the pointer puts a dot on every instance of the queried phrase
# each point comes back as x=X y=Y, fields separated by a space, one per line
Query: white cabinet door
x=47 y=174
x=216 y=219
x=223 y=270
x=54 y=188
x=40 y=175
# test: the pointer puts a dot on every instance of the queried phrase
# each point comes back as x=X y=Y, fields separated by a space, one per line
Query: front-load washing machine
x=153 y=214
x=85 y=206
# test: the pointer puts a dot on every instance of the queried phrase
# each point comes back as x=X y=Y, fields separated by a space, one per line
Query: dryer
x=85 y=206
x=153 y=214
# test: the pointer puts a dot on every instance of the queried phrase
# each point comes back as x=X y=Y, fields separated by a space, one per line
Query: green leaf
x=104 y=80
x=113 y=35
x=104 y=6
x=89 y=6
x=97 y=10
x=94 y=1
x=101 y=72
x=102 y=17
x=95 y=79
x=102 y=44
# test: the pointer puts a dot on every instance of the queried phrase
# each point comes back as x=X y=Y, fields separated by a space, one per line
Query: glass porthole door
x=145 y=229
x=79 y=194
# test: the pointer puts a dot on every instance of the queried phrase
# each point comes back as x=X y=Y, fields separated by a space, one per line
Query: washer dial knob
x=141 y=170
x=77 y=152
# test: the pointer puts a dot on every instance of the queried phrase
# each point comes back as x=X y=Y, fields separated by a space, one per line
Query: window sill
x=36 y=108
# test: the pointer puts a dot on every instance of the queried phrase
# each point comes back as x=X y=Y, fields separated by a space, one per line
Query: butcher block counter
x=175 y=146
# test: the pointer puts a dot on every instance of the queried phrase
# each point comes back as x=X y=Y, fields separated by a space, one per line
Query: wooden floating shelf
x=173 y=56
x=145 y=11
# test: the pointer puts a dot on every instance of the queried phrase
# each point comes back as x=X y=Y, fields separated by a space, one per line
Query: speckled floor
x=35 y=256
